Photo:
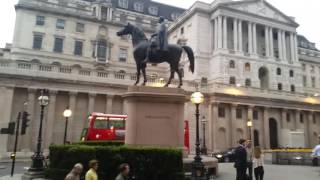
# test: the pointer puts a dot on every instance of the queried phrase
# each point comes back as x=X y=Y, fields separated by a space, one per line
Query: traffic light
x=9 y=130
x=25 y=122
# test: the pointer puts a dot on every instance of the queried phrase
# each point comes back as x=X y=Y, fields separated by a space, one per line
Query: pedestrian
x=316 y=153
x=92 y=172
x=249 y=157
x=241 y=160
x=75 y=173
x=124 y=172
x=258 y=163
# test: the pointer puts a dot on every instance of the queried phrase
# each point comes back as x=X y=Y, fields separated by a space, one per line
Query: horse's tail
x=190 y=57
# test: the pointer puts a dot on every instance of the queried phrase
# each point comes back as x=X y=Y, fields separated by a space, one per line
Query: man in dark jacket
x=124 y=172
x=241 y=160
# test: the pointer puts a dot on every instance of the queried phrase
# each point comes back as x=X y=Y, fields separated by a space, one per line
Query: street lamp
x=66 y=113
x=204 y=147
x=249 y=124
x=198 y=171
x=37 y=158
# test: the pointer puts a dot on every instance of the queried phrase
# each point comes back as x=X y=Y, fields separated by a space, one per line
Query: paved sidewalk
x=17 y=177
x=274 y=172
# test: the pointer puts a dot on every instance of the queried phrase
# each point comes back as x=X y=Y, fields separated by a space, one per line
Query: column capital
x=53 y=92
x=32 y=90
x=91 y=94
x=251 y=106
x=73 y=93
x=110 y=95
x=234 y=104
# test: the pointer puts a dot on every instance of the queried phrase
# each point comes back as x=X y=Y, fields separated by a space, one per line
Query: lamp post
x=204 y=147
x=66 y=113
x=198 y=171
x=37 y=158
x=249 y=124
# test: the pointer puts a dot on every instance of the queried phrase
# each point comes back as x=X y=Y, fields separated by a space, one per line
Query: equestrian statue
x=156 y=51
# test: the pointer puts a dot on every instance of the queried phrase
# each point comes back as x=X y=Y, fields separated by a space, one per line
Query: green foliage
x=146 y=163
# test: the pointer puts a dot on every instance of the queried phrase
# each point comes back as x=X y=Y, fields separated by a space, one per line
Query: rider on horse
x=161 y=41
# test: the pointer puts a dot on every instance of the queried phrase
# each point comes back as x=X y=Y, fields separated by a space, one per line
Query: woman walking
x=258 y=163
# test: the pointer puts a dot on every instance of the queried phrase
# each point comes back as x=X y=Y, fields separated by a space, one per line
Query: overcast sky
x=306 y=13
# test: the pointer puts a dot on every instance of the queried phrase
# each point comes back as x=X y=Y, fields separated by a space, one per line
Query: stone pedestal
x=155 y=116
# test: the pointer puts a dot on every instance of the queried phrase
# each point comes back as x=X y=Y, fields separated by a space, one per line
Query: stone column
x=254 y=38
x=250 y=118
x=31 y=136
x=249 y=37
x=6 y=98
x=284 y=45
x=232 y=120
x=297 y=119
x=219 y=32
x=50 y=118
x=283 y=124
x=271 y=42
x=280 y=44
x=267 y=39
x=72 y=107
x=91 y=103
x=308 y=131
x=216 y=36
x=266 y=130
x=214 y=125
x=209 y=125
x=225 y=32
x=109 y=99
x=295 y=47
x=292 y=59
x=235 y=34
x=240 y=35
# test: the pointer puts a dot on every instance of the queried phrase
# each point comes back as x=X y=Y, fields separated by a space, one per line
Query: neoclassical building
x=250 y=63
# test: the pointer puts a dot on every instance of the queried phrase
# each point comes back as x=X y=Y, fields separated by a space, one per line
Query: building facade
x=254 y=67
x=250 y=64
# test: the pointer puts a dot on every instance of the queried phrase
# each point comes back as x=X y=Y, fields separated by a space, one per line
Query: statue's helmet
x=161 y=19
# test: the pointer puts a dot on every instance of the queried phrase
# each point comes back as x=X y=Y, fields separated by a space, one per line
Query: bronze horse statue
x=171 y=56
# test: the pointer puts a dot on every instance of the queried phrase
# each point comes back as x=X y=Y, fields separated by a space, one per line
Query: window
x=292 y=88
x=123 y=3
x=182 y=30
x=80 y=27
x=37 y=41
x=40 y=20
x=239 y=113
x=314 y=118
x=288 y=117
x=248 y=82
x=303 y=67
x=278 y=71
x=102 y=50
x=78 y=48
x=313 y=82
x=221 y=112
x=291 y=74
x=279 y=86
x=232 y=64
x=304 y=81
x=174 y=16
x=60 y=23
x=247 y=67
x=123 y=54
x=255 y=114
x=138 y=7
x=58 y=45
x=301 y=118
x=232 y=80
x=153 y=10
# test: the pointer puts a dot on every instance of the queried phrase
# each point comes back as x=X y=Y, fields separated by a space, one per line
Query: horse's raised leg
x=138 y=74
x=179 y=71
x=170 y=78
x=144 y=74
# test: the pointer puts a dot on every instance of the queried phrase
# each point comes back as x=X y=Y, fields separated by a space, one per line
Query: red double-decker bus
x=111 y=127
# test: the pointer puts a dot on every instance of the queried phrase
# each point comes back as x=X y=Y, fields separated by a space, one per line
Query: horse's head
x=127 y=29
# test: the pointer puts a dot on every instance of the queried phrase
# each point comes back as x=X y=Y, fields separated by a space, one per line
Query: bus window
x=100 y=124
x=117 y=124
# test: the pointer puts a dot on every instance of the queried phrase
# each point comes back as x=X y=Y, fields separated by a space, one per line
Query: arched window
x=138 y=7
x=278 y=71
x=291 y=73
x=292 y=88
x=123 y=3
x=279 y=86
x=232 y=64
x=248 y=82
x=102 y=50
x=247 y=67
x=232 y=80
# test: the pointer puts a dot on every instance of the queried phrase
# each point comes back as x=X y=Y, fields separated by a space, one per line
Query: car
x=225 y=156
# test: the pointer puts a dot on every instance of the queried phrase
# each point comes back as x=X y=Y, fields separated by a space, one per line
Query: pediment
x=260 y=8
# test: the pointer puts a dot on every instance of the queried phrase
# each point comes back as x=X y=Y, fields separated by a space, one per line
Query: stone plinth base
x=32 y=175
x=210 y=164
x=155 y=116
